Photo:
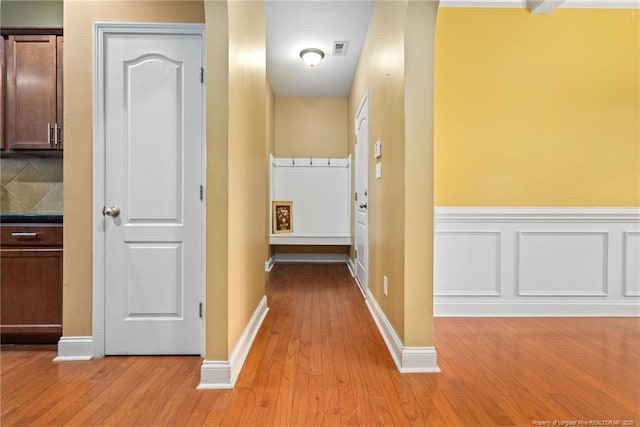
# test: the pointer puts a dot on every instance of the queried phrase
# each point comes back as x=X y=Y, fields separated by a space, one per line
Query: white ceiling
x=297 y=24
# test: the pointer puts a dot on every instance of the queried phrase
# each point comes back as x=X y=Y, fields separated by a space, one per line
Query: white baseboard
x=224 y=373
x=311 y=258
x=215 y=375
x=268 y=265
x=73 y=349
x=352 y=266
x=407 y=359
x=497 y=261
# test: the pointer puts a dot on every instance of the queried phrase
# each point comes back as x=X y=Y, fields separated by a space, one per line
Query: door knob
x=113 y=211
x=363 y=206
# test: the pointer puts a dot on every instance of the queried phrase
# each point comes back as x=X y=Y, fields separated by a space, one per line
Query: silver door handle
x=55 y=135
x=113 y=211
x=363 y=206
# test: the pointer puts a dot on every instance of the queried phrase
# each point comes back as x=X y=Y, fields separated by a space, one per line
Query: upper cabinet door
x=3 y=74
x=59 y=92
x=32 y=98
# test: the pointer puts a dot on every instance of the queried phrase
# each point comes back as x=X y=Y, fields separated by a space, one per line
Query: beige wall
x=419 y=142
x=311 y=127
x=78 y=155
x=217 y=256
x=381 y=70
x=247 y=163
x=270 y=149
x=396 y=66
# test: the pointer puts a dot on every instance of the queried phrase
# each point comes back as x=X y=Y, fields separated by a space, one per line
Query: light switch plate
x=377 y=149
x=378 y=170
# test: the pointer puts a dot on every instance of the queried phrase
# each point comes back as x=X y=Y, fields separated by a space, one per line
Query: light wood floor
x=319 y=360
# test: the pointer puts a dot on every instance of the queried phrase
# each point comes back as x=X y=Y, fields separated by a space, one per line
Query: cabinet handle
x=59 y=135
x=49 y=133
x=24 y=235
x=55 y=135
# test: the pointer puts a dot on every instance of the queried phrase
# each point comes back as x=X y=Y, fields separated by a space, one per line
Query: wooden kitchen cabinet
x=33 y=98
x=3 y=79
x=31 y=283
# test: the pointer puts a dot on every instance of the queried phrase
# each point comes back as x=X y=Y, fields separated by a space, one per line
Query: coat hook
x=329 y=162
x=293 y=161
x=311 y=161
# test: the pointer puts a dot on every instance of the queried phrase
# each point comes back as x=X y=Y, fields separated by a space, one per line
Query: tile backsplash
x=31 y=185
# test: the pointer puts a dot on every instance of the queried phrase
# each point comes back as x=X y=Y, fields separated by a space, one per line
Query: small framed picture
x=282 y=217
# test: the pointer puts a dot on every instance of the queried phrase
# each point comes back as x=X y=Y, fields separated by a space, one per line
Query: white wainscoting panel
x=561 y=263
x=469 y=263
x=631 y=264
x=537 y=261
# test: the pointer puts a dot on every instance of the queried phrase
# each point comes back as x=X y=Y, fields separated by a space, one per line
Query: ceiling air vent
x=340 y=48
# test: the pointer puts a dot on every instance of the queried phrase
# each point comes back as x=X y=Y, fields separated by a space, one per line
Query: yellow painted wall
x=247 y=163
x=78 y=156
x=537 y=110
x=311 y=127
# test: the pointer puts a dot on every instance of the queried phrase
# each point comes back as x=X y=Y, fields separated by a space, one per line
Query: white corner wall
x=537 y=262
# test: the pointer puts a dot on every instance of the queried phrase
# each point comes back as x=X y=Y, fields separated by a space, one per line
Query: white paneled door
x=153 y=104
x=362 y=194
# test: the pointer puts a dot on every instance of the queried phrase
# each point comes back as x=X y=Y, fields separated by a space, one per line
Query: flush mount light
x=311 y=56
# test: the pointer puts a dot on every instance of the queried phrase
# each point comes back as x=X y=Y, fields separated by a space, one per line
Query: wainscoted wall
x=31 y=185
x=537 y=262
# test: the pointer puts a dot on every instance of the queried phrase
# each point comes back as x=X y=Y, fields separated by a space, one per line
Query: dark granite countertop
x=30 y=218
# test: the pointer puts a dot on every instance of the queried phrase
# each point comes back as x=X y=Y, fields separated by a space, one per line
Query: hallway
x=319 y=360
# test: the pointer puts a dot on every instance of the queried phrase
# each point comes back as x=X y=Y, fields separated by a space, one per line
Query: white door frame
x=365 y=100
x=101 y=29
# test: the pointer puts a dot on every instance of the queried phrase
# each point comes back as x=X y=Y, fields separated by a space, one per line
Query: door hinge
x=355 y=254
x=200 y=310
x=201 y=75
x=356 y=196
x=201 y=193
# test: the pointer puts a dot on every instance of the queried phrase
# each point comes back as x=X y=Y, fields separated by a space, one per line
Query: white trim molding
x=631 y=273
x=223 y=374
x=536 y=215
x=73 y=349
x=407 y=359
x=268 y=265
x=495 y=261
x=523 y=4
x=311 y=258
x=302 y=258
x=351 y=265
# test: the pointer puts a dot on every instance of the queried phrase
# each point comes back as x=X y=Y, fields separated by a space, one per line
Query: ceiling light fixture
x=311 y=56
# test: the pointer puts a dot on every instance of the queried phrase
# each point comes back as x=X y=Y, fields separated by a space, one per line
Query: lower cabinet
x=31 y=284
